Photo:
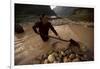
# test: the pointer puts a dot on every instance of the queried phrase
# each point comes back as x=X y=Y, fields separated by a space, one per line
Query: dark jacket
x=43 y=28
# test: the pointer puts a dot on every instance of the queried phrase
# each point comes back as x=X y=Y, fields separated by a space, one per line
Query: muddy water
x=29 y=46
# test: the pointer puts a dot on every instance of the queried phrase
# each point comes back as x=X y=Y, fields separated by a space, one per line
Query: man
x=42 y=28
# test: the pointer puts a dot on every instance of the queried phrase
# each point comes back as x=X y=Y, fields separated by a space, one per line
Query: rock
x=18 y=28
x=51 y=58
x=75 y=49
x=76 y=60
x=46 y=61
x=55 y=54
x=50 y=52
x=62 y=53
x=72 y=56
x=67 y=52
x=65 y=59
x=69 y=60
x=58 y=59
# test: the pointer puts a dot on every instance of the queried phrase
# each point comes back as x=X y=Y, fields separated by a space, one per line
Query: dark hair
x=41 y=16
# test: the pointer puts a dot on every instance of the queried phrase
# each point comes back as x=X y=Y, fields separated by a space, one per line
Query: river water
x=29 y=46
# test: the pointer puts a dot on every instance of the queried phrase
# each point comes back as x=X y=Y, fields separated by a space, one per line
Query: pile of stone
x=72 y=54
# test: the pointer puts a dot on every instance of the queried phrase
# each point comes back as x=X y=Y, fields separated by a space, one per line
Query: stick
x=59 y=38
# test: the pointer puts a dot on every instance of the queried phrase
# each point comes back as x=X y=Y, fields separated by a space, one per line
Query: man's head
x=44 y=18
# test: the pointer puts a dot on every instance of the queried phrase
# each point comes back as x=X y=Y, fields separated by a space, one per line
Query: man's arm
x=52 y=28
x=35 y=28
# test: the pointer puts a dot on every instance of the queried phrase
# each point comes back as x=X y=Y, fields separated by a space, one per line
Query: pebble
x=72 y=56
x=51 y=58
x=58 y=59
x=76 y=60
x=55 y=54
x=46 y=61
x=67 y=52
x=65 y=59
x=62 y=53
